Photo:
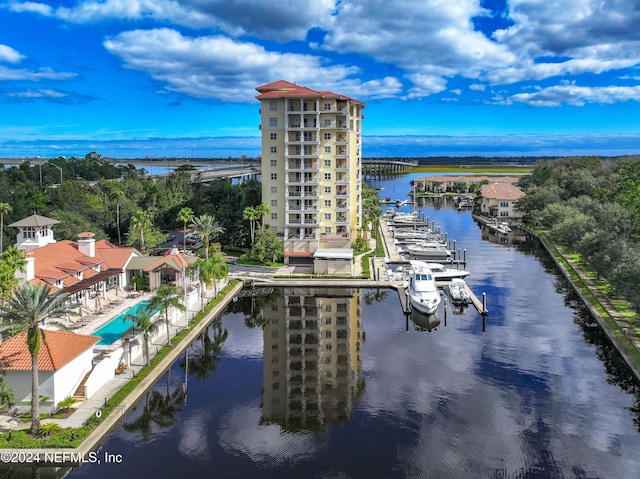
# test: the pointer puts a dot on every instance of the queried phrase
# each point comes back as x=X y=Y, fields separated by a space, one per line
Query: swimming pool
x=114 y=329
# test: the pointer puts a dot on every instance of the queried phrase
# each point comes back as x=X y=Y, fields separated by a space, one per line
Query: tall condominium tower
x=311 y=167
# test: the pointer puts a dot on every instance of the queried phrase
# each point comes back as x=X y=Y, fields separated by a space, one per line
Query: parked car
x=190 y=240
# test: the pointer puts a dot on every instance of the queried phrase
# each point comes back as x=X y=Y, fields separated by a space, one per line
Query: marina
x=401 y=248
x=401 y=382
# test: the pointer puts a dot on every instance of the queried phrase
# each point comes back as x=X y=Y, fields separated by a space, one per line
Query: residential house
x=498 y=200
x=64 y=360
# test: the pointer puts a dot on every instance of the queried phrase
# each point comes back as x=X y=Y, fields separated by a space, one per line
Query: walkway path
x=627 y=326
x=89 y=407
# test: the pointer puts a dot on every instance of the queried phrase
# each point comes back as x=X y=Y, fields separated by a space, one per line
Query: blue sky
x=176 y=78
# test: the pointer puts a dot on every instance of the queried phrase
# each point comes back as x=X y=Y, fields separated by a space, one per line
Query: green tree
x=185 y=215
x=142 y=324
x=12 y=260
x=166 y=297
x=219 y=269
x=262 y=209
x=7 y=399
x=267 y=248
x=251 y=214
x=207 y=227
x=5 y=209
x=27 y=310
x=117 y=195
x=141 y=221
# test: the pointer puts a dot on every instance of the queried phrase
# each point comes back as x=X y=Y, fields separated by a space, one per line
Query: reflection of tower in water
x=312 y=364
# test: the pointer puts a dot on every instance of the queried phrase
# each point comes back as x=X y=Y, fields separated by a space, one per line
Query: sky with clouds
x=169 y=78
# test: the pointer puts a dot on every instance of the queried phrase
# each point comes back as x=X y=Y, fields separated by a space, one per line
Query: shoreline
x=621 y=333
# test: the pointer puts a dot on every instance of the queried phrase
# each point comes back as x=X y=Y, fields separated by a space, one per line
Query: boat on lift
x=428 y=250
x=458 y=291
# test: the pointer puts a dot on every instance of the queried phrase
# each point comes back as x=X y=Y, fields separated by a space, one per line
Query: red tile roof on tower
x=57 y=349
x=282 y=88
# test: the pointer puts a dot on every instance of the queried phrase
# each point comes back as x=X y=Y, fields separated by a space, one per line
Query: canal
x=322 y=383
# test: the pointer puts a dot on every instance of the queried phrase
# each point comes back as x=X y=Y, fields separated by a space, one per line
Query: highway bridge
x=372 y=168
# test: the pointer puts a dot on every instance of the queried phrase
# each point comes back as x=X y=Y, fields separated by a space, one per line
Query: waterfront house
x=456 y=184
x=498 y=200
x=64 y=360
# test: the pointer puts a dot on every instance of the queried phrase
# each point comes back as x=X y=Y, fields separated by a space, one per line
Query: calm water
x=340 y=384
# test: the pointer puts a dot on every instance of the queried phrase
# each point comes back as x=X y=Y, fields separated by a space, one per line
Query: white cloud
x=35 y=94
x=431 y=37
x=576 y=95
x=29 y=75
x=280 y=21
x=9 y=55
x=217 y=67
x=31 y=7
x=423 y=43
x=539 y=71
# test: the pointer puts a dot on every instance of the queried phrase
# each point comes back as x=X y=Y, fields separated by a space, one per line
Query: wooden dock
x=477 y=303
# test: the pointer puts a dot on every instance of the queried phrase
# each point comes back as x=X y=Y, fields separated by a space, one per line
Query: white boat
x=458 y=291
x=465 y=204
x=423 y=292
x=503 y=228
x=442 y=273
x=429 y=251
x=408 y=234
x=407 y=219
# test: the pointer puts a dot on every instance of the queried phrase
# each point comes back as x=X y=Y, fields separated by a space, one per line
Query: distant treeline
x=422 y=160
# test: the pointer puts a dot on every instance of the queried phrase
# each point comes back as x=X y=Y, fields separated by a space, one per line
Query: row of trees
x=90 y=200
x=594 y=207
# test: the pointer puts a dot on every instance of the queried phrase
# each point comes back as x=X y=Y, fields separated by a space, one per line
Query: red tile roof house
x=83 y=269
x=64 y=360
x=498 y=200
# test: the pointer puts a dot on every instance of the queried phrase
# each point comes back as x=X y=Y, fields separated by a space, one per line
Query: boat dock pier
x=391 y=254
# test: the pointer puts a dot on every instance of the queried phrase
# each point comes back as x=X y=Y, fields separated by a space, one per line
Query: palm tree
x=185 y=215
x=142 y=221
x=207 y=227
x=166 y=297
x=251 y=214
x=5 y=208
x=262 y=209
x=374 y=215
x=28 y=309
x=118 y=195
x=142 y=324
x=219 y=269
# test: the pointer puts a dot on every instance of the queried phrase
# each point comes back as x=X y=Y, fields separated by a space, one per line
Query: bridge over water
x=373 y=168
